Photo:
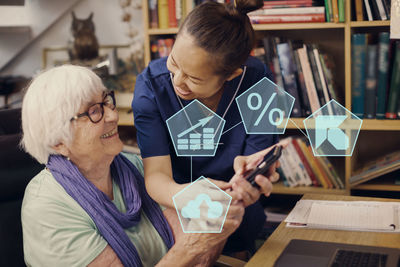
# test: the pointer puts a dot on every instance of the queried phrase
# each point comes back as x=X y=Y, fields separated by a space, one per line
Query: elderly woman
x=89 y=205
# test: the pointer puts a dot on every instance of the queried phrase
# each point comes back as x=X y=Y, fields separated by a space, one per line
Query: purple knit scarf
x=108 y=219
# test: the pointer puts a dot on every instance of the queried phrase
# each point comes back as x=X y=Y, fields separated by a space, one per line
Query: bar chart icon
x=195 y=130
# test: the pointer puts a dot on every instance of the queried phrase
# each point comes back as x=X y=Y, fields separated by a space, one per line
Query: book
x=172 y=22
x=358 y=56
x=332 y=171
x=153 y=14
x=305 y=162
x=328 y=11
x=288 y=3
x=394 y=93
x=307 y=151
x=315 y=75
x=370 y=83
x=286 y=63
x=323 y=81
x=298 y=166
x=368 y=10
x=383 y=74
x=163 y=11
x=289 y=11
x=309 y=80
x=335 y=11
x=359 y=10
x=261 y=19
x=305 y=103
x=381 y=9
x=376 y=168
x=341 y=8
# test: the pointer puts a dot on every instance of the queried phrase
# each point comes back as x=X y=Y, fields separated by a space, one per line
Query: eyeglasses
x=96 y=111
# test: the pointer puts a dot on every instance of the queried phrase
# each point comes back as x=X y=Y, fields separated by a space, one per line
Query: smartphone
x=263 y=167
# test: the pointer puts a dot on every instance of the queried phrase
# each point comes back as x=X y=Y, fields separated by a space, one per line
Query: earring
x=68 y=159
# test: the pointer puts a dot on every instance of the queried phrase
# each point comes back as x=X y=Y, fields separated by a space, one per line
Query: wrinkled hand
x=243 y=165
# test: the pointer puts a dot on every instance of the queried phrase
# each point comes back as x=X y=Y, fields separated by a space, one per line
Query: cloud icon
x=191 y=210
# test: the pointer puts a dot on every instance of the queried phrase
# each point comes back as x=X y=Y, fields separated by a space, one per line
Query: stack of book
x=165 y=14
x=161 y=47
x=376 y=168
x=303 y=71
x=375 y=73
x=289 y=11
x=372 y=10
x=299 y=167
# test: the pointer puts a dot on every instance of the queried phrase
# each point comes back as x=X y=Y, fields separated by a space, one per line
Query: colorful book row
x=375 y=72
x=299 y=167
x=302 y=71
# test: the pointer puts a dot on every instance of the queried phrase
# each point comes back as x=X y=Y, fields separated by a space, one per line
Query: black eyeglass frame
x=102 y=104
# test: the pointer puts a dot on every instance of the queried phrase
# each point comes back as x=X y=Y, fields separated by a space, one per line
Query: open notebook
x=346 y=215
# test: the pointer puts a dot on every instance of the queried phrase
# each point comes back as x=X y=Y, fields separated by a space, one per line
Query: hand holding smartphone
x=264 y=166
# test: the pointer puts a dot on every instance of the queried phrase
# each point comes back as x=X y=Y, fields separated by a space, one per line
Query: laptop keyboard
x=344 y=258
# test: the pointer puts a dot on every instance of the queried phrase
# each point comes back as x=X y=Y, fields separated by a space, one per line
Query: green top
x=58 y=232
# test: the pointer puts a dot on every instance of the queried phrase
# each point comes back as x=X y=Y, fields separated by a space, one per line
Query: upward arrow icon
x=201 y=122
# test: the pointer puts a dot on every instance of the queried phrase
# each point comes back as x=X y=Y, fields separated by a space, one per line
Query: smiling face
x=94 y=143
x=192 y=69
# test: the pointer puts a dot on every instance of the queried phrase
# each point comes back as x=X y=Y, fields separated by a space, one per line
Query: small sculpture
x=84 y=45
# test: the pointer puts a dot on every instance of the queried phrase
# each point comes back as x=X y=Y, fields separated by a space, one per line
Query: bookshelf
x=335 y=38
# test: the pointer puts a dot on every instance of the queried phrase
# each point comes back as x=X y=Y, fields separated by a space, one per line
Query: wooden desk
x=275 y=244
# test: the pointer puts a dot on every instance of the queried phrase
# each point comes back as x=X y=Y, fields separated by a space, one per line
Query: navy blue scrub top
x=155 y=101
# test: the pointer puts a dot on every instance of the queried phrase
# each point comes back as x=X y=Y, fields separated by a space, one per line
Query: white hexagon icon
x=195 y=130
x=265 y=108
x=333 y=130
x=202 y=207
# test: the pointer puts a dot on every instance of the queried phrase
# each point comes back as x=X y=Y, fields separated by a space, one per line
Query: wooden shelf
x=280 y=188
x=381 y=125
x=377 y=23
x=377 y=187
x=163 y=31
x=299 y=26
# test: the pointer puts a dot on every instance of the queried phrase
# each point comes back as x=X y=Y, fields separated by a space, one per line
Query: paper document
x=346 y=215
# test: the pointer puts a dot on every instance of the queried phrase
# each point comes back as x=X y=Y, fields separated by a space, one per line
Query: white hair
x=51 y=100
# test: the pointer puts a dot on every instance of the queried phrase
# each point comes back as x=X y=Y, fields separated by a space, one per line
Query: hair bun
x=246 y=6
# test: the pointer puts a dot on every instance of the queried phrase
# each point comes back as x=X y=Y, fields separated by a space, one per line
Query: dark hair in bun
x=223 y=30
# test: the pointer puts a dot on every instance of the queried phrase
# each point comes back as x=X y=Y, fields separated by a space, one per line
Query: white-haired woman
x=89 y=205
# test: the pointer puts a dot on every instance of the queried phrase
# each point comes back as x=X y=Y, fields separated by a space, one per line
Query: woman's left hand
x=244 y=164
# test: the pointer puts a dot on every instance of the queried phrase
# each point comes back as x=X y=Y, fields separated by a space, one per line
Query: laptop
x=299 y=253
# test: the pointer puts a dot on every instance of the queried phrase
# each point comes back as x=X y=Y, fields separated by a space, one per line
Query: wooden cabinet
x=335 y=39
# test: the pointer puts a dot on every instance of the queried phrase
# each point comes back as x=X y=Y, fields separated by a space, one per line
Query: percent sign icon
x=258 y=106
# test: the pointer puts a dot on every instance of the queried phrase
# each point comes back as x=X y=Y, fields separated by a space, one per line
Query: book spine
x=287 y=18
x=358 y=53
x=289 y=11
x=305 y=103
x=328 y=173
x=311 y=160
x=305 y=162
x=311 y=91
x=178 y=11
x=163 y=14
x=153 y=14
x=288 y=73
x=359 y=10
x=329 y=83
x=370 y=83
x=322 y=78
x=299 y=165
x=368 y=10
x=317 y=80
x=394 y=93
x=287 y=168
x=328 y=10
x=381 y=9
x=333 y=172
x=172 y=22
x=290 y=2
x=335 y=11
x=341 y=8
x=383 y=73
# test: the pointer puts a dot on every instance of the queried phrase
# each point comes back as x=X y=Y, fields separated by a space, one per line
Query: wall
x=109 y=30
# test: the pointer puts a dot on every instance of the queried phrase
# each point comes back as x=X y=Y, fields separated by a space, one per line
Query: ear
x=62 y=149
x=236 y=73
x=90 y=16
